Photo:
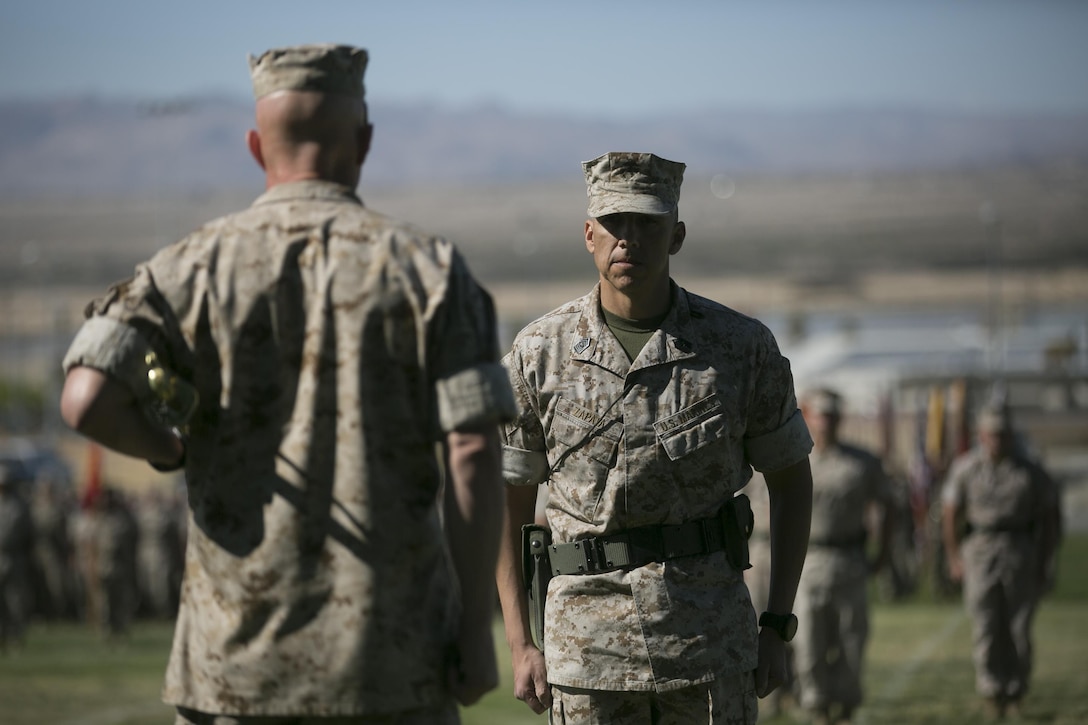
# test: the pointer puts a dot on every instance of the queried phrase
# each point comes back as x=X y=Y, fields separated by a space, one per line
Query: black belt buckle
x=683 y=540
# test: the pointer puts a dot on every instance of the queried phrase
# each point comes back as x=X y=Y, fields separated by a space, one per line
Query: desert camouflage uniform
x=832 y=607
x=317 y=333
x=665 y=439
x=1005 y=505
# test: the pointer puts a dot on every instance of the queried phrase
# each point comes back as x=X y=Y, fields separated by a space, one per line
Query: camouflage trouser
x=833 y=626
x=1000 y=594
x=727 y=700
x=442 y=715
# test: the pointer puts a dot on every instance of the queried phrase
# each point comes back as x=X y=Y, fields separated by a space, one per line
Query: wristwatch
x=784 y=624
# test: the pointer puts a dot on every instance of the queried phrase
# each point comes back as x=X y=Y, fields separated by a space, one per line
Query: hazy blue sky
x=597 y=58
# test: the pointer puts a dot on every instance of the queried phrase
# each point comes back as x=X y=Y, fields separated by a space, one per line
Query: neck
x=643 y=305
x=286 y=173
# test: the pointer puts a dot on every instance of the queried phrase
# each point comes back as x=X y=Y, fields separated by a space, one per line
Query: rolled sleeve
x=780 y=448
x=952 y=494
x=113 y=347
x=523 y=468
x=475 y=396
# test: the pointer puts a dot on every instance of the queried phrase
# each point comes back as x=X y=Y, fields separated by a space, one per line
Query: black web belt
x=637 y=547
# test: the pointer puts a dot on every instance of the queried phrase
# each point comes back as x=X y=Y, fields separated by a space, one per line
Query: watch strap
x=785 y=625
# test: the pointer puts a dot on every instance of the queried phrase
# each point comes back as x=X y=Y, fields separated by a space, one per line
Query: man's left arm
x=790 y=494
x=885 y=500
x=106 y=411
x=1049 y=532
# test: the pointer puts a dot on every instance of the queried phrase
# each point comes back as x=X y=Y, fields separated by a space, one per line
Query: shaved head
x=307 y=134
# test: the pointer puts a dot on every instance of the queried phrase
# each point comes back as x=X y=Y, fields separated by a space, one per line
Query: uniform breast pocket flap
x=695 y=426
x=580 y=428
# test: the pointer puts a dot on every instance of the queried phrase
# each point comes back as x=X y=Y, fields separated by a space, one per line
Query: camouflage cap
x=326 y=68
x=995 y=418
x=620 y=181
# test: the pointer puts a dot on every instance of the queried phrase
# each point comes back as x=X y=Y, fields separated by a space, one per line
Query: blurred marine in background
x=1000 y=525
x=16 y=555
x=848 y=487
x=301 y=360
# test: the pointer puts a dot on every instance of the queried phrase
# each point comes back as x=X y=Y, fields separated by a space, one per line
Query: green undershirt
x=632 y=334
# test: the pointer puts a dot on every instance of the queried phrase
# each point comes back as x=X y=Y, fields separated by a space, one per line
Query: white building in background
x=872 y=358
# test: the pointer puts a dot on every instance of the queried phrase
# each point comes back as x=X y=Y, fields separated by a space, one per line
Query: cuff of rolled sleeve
x=475 y=396
x=523 y=468
x=105 y=344
x=781 y=448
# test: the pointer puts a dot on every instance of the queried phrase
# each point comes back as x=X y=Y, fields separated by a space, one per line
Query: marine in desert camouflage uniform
x=331 y=348
x=1000 y=525
x=16 y=551
x=643 y=405
x=848 y=487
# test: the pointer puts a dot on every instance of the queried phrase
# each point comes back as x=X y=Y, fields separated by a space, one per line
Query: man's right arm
x=104 y=410
x=530 y=675
x=790 y=494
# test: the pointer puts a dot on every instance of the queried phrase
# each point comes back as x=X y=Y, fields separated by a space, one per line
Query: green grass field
x=918 y=668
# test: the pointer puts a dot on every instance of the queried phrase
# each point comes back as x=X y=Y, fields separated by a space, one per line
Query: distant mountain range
x=112 y=147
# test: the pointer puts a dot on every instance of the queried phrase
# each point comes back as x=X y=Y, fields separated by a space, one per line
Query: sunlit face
x=821 y=426
x=631 y=251
x=997 y=444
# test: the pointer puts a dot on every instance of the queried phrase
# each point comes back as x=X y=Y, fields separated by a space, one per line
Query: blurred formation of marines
x=50 y=508
x=848 y=487
x=644 y=408
x=112 y=538
x=161 y=555
x=16 y=556
x=330 y=348
x=1000 y=525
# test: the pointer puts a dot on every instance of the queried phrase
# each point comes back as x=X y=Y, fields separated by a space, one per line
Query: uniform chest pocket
x=697 y=425
x=581 y=431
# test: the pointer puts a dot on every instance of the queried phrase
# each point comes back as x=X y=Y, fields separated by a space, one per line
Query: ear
x=365 y=135
x=253 y=141
x=590 y=243
x=679 y=232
